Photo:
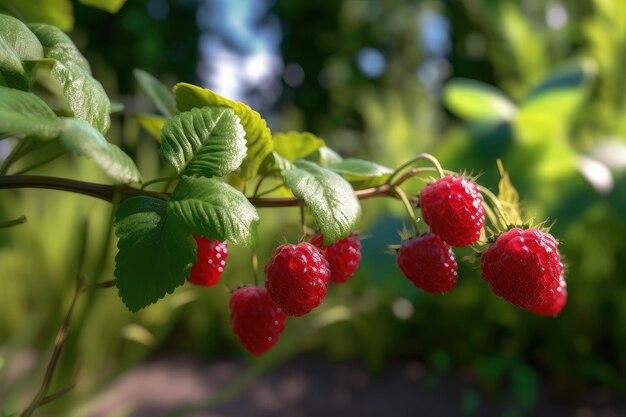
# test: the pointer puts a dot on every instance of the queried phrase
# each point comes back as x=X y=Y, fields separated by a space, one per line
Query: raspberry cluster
x=523 y=266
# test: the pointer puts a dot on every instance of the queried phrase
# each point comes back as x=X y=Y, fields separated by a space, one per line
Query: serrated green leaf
x=158 y=93
x=111 y=6
x=82 y=139
x=324 y=157
x=204 y=142
x=508 y=197
x=154 y=255
x=360 y=173
x=296 y=145
x=17 y=43
x=475 y=100
x=211 y=208
x=85 y=94
x=152 y=124
x=54 y=12
x=258 y=135
x=25 y=114
x=330 y=198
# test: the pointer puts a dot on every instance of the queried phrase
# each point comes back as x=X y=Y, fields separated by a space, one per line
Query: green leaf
x=275 y=165
x=152 y=124
x=296 y=145
x=324 y=157
x=216 y=210
x=82 y=139
x=54 y=12
x=158 y=93
x=85 y=94
x=474 y=100
x=204 y=142
x=17 y=43
x=154 y=254
x=508 y=197
x=360 y=173
x=258 y=135
x=111 y=6
x=24 y=114
x=329 y=197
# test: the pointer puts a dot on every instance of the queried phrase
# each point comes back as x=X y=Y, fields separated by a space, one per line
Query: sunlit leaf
x=152 y=124
x=23 y=114
x=85 y=94
x=111 y=6
x=475 y=100
x=216 y=210
x=258 y=135
x=295 y=145
x=330 y=198
x=82 y=139
x=204 y=142
x=17 y=44
x=361 y=173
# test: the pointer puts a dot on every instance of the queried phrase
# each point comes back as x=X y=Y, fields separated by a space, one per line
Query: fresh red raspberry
x=297 y=278
x=453 y=208
x=524 y=267
x=256 y=320
x=429 y=263
x=211 y=262
x=343 y=256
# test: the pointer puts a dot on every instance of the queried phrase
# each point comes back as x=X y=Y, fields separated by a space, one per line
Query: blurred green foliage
x=540 y=86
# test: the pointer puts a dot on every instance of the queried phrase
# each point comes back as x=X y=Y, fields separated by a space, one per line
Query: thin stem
x=502 y=217
x=491 y=215
x=270 y=190
x=100 y=285
x=418 y=157
x=156 y=180
x=54 y=360
x=258 y=185
x=408 y=207
x=107 y=192
x=20 y=149
x=40 y=163
x=10 y=223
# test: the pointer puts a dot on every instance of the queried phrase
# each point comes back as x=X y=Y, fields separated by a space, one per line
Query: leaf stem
x=156 y=180
x=409 y=208
x=19 y=150
x=501 y=215
x=421 y=156
x=10 y=223
x=255 y=268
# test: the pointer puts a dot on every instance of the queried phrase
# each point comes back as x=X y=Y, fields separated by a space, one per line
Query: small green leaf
x=474 y=100
x=204 y=142
x=362 y=174
x=158 y=93
x=152 y=124
x=154 y=254
x=82 y=139
x=296 y=145
x=215 y=210
x=85 y=94
x=258 y=135
x=25 y=114
x=17 y=43
x=509 y=198
x=329 y=197
x=275 y=165
x=111 y=6
x=324 y=157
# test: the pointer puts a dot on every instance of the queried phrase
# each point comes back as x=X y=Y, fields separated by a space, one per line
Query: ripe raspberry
x=524 y=267
x=211 y=261
x=297 y=278
x=256 y=320
x=453 y=208
x=343 y=256
x=429 y=263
